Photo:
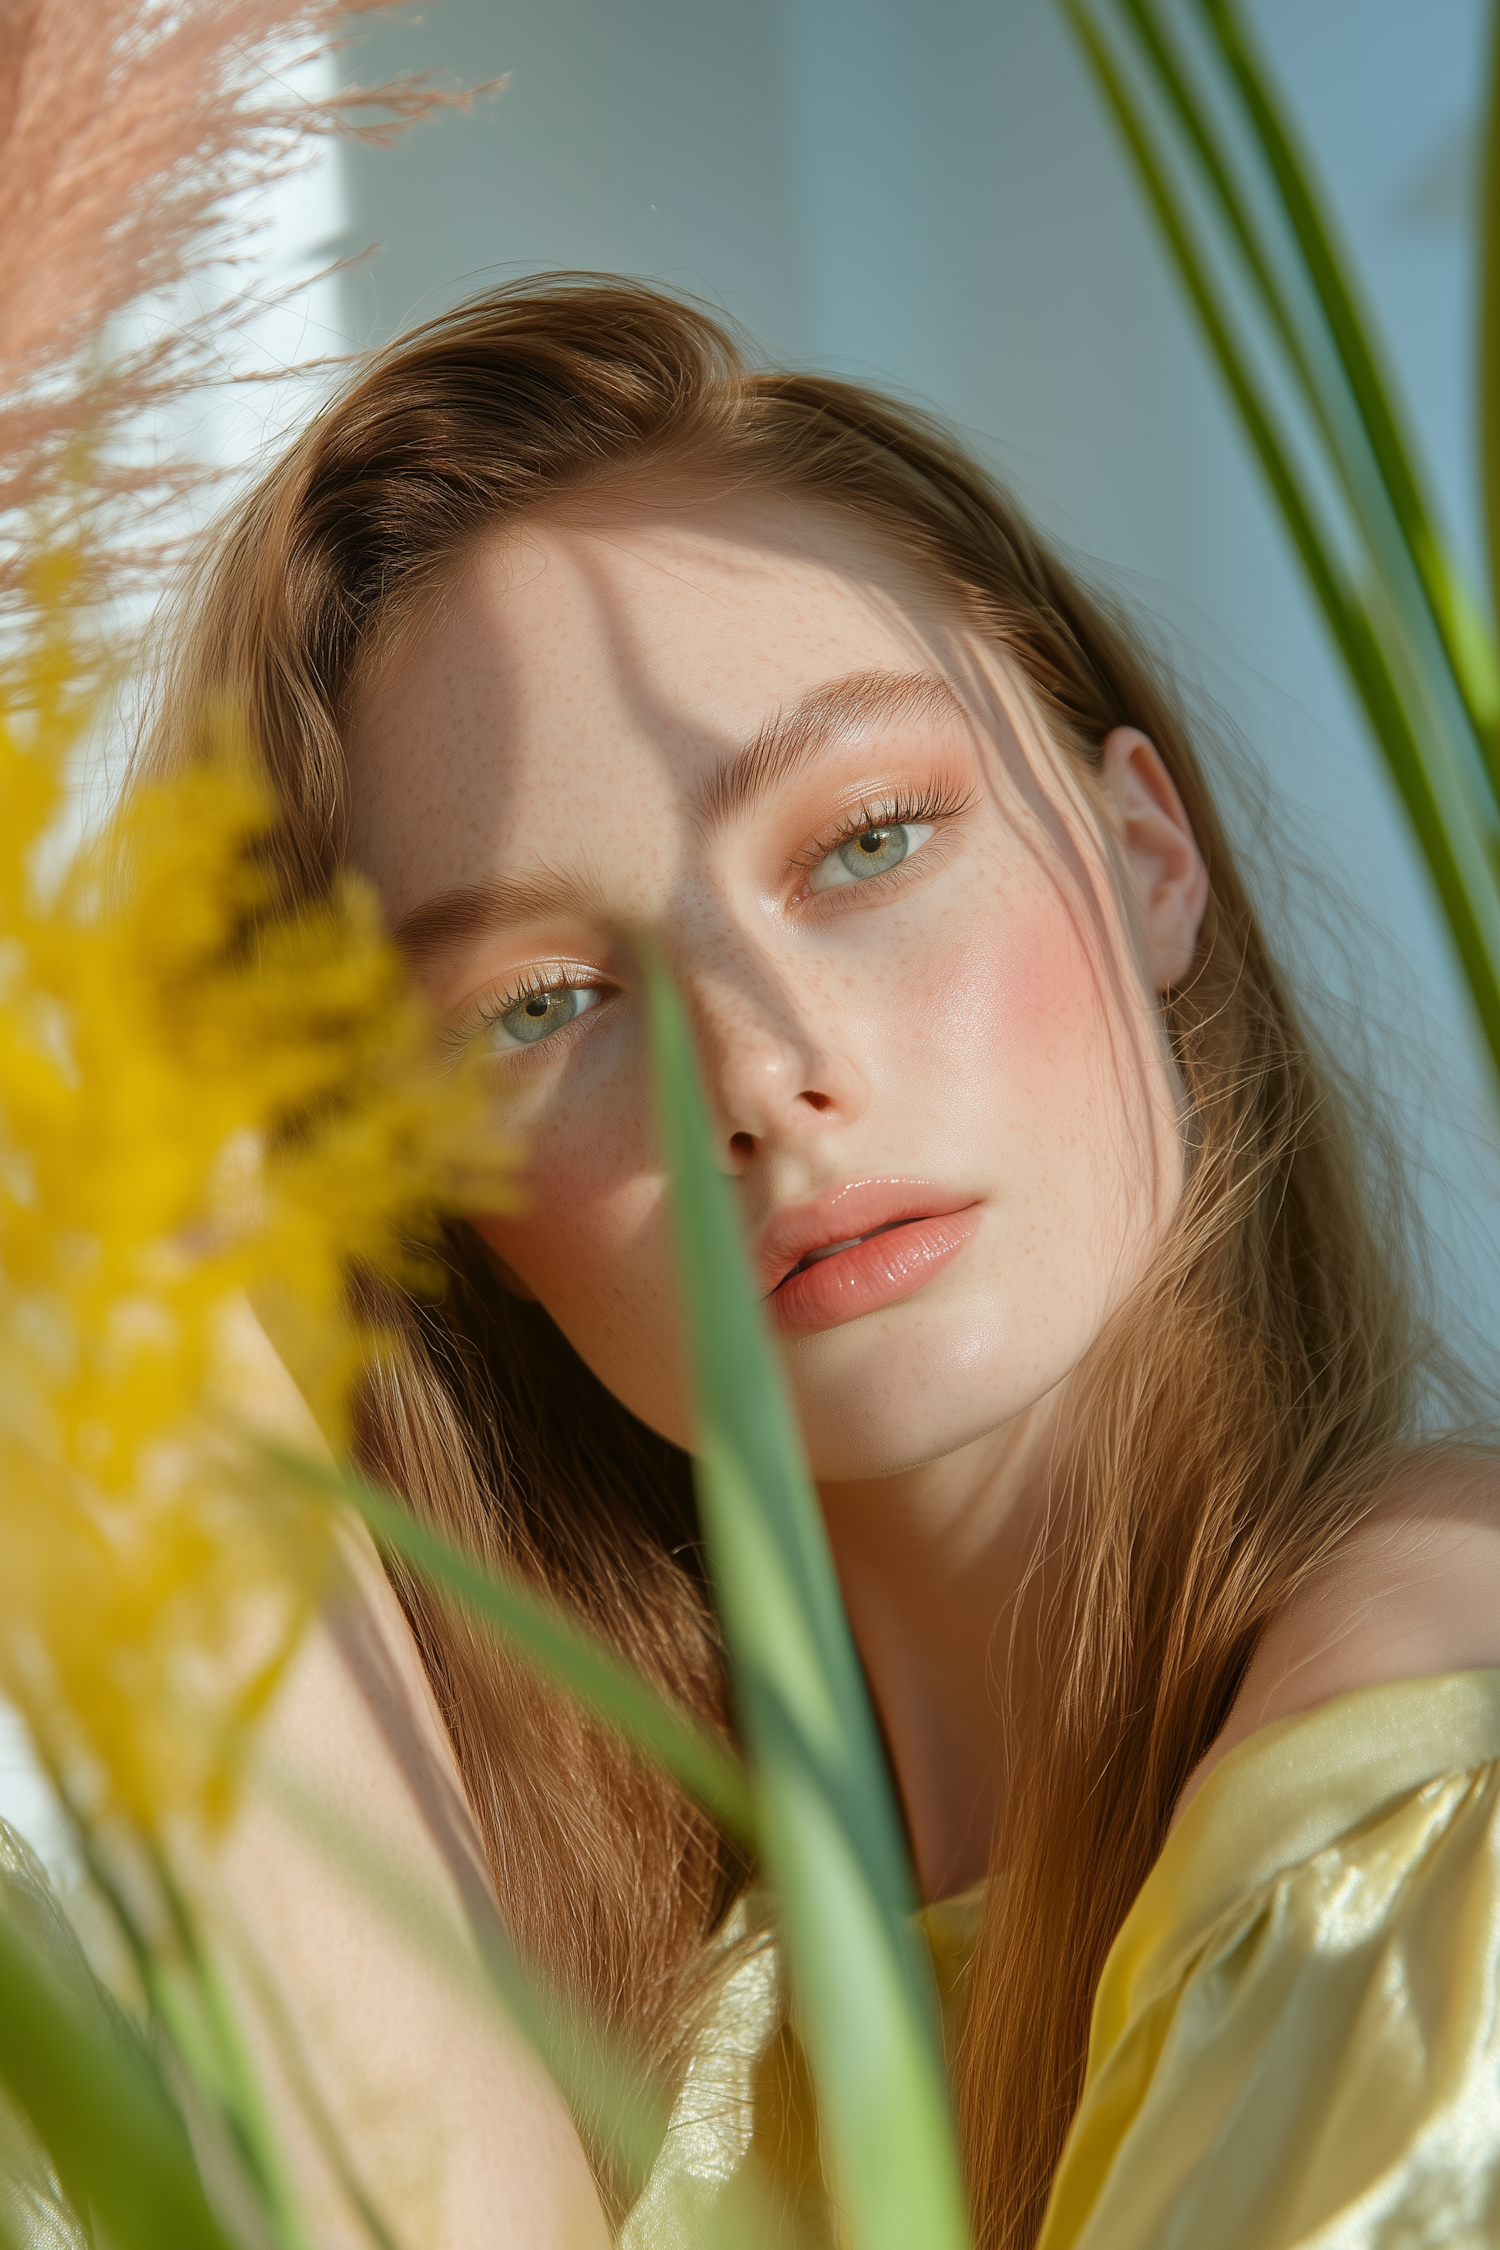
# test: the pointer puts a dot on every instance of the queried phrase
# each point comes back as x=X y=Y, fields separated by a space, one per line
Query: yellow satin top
x=1295 y=2042
x=1296 y=2039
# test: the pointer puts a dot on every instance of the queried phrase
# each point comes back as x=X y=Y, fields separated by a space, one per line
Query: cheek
x=1017 y=1015
x=593 y=1242
x=1052 y=1059
x=1070 y=1066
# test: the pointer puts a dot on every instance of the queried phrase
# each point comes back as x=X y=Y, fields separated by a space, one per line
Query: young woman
x=564 y=622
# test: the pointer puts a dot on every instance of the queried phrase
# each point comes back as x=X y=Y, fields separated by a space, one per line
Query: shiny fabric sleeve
x=1296 y=2040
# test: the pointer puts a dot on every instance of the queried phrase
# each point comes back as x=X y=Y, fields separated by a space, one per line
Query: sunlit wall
x=930 y=198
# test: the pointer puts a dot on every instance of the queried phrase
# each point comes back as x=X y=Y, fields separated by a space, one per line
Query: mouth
x=863 y=1247
x=832 y=1249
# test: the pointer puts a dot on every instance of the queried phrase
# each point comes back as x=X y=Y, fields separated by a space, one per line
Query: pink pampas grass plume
x=125 y=128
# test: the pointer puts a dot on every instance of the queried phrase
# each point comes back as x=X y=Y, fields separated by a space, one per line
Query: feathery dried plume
x=185 y=1112
x=126 y=126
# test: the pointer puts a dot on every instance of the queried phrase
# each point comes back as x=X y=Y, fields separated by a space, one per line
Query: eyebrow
x=474 y=909
x=793 y=738
x=785 y=744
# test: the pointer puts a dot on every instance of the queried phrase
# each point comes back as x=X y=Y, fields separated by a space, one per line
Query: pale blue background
x=930 y=197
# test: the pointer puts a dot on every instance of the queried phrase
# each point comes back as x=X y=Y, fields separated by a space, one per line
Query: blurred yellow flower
x=199 y=1097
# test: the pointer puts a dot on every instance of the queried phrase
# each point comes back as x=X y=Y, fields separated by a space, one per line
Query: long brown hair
x=1238 y=1416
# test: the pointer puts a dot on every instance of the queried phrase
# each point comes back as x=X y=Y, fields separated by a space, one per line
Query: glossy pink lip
x=880 y=1241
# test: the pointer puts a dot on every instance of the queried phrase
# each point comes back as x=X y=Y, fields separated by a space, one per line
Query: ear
x=1170 y=879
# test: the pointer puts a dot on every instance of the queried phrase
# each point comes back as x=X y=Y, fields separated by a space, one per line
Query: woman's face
x=924 y=1018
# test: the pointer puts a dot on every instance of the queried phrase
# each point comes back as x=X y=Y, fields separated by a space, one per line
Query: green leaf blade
x=120 y=2147
x=556 y=1644
x=1403 y=673
x=1489 y=323
x=862 y=1980
x=1353 y=336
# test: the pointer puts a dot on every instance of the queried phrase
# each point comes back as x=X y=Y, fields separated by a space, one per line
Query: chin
x=872 y=1407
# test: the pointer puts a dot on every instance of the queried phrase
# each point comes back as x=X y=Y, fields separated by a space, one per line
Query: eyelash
x=935 y=805
x=534 y=983
x=898 y=810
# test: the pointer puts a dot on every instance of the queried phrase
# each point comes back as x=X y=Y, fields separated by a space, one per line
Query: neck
x=936 y=1566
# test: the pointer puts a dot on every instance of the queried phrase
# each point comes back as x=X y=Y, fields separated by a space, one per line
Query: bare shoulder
x=1414 y=1592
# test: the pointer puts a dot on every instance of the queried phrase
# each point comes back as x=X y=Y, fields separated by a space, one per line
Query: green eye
x=539 y=1015
x=874 y=851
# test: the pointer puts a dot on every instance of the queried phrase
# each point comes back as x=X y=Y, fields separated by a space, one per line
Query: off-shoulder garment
x=1296 y=2039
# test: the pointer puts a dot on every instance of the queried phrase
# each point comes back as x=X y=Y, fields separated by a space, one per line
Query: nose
x=775 y=1073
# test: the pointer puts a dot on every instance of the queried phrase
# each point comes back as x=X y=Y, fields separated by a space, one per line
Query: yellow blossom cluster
x=200 y=1097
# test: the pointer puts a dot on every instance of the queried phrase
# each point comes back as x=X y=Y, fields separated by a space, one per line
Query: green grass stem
x=106 y=2119
x=1409 y=700
x=564 y=1651
x=1474 y=665
x=831 y=1840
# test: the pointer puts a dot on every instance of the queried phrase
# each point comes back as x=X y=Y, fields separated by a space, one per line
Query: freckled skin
x=965 y=1021
x=576 y=685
